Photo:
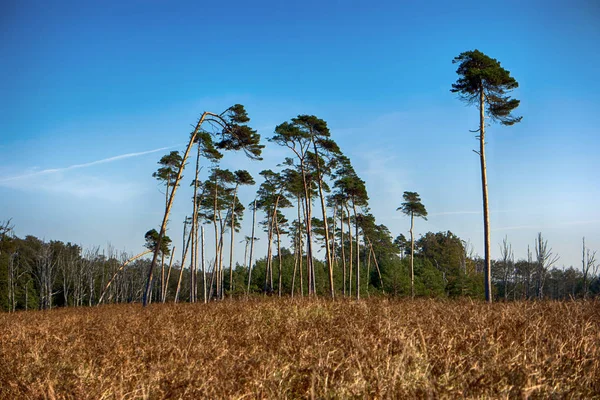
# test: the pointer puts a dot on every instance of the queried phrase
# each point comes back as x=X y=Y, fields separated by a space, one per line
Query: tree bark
x=183 y=257
x=350 y=256
x=342 y=245
x=203 y=265
x=357 y=251
x=279 y=283
x=325 y=223
x=251 y=248
x=484 y=188
x=164 y=299
x=232 y=242
x=412 y=256
x=300 y=247
x=376 y=264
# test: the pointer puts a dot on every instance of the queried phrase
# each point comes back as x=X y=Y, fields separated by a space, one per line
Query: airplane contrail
x=85 y=165
x=466 y=212
x=456 y=213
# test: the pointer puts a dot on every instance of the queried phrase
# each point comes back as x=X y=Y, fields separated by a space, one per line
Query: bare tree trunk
x=203 y=258
x=342 y=245
x=268 y=267
x=486 y=211
x=119 y=270
x=296 y=245
x=232 y=242
x=300 y=247
x=376 y=264
x=279 y=283
x=368 y=266
x=412 y=256
x=216 y=267
x=357 y=251
x=164 y=299
x=212 y=280
x=584 y=271
x=333 y=236
x=194 y=258
x=309 y=250
x=193 y=250
x=251 y=248
x=350 y=256
x=325 y=224
x=183 y=257
x=247 y=240
x=221 y=271
x=162 y=276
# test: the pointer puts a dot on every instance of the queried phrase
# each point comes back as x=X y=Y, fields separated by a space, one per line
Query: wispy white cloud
x=85 y=165
x=72 y=181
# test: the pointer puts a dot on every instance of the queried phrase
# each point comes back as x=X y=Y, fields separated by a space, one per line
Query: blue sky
x=121 y=83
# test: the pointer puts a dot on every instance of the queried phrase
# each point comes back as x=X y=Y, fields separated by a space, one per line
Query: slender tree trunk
x=193 y=250
x=368 y=266
x=119 y=270
x=221 y=269
x=183 y=257
x=279 y=283
x=216 y=267
x=203 y=258
x=412 y=256
x=164 y=299
x=486 y=211
x=300 y=247
x=267 y=289
x=162 y=276
x=296 y=245
x=309 y=252
x=376 y=264
x=357 y=251
x=163 y=227
x=350 y=256
x=246 y=253
x=212 y=280
x=584 y=270
x=342 y=245
x=333 y=236
x=232 y=242
x=325 y=224
x=251 y=247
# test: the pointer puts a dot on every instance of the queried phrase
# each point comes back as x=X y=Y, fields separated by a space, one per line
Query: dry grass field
x=304 y=349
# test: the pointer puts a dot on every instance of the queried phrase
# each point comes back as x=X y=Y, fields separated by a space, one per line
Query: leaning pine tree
x=230 y=132
x=484 y=82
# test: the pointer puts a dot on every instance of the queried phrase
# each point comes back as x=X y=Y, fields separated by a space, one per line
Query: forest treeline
x=313 y=209
x=37 y=274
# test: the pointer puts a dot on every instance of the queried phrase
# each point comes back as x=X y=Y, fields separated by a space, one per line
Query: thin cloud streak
x=540 y=227
x=466 y=212
x=85 y=165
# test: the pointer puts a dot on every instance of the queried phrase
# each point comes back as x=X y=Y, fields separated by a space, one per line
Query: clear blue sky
x=83 y=82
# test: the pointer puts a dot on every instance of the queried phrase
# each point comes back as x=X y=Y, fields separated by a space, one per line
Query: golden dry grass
x=304 y=349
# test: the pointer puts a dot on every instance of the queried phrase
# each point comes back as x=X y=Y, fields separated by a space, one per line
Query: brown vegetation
x=304 y=349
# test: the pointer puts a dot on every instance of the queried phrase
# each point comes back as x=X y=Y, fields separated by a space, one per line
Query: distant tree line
x=37 y=274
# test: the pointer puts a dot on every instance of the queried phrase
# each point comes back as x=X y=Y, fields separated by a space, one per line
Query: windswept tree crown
x=234 y=134
x=412 y=205
x=478 y=72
